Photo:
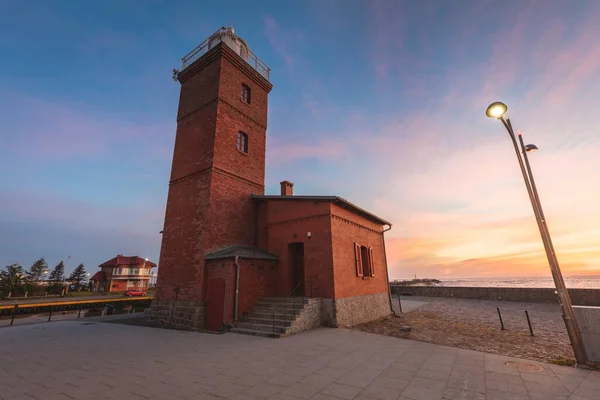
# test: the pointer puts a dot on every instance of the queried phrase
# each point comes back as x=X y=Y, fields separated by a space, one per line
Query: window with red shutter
x=364 y=261
x=358 y=259
x=371 y=263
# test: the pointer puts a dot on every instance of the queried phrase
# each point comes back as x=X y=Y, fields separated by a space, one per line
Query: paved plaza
x=89 y=359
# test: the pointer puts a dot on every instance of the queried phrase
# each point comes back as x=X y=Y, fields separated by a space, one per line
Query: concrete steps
x=271 y=317
x=256 y=333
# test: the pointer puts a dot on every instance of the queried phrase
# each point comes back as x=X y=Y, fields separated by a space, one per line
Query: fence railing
x=245 y=53
x=11 y=311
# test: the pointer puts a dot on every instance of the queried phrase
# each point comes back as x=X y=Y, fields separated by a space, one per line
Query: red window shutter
x=371 y=263
x=358 y=259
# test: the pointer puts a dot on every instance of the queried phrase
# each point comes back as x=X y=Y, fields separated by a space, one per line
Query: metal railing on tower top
x=229 y=38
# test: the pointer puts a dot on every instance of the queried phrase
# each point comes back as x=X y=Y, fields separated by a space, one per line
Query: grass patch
x=559 y=360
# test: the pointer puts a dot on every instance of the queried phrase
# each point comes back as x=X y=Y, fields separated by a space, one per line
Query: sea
x=575 y=282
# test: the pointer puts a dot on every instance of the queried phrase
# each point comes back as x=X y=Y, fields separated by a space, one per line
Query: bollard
x=529 y=323
x=500 y=316
x=13 y=314
x=399 y=303
x=79 y=314
x=50 y=315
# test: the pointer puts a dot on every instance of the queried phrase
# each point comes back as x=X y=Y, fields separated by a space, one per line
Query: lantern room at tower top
x=237 y=44
x=226 y=245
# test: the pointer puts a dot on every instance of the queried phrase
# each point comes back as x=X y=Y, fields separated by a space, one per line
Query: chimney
x=287 y=188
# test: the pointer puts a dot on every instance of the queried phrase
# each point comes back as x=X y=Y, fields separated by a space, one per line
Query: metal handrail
x=251 y=58
x=294 y=289
x=41 y=308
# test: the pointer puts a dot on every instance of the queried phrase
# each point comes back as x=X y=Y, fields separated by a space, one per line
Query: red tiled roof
x=98 y=276
x=126 y=260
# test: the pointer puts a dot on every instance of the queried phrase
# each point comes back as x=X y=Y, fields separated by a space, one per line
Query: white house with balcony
x=123 y=273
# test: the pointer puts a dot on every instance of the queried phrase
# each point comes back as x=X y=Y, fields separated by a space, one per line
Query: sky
x=379 y=102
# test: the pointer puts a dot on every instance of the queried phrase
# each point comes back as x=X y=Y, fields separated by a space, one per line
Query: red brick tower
x=218 y=163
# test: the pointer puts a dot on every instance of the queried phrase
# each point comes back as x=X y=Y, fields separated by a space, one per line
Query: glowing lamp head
x=496 y=110
x=531 y=147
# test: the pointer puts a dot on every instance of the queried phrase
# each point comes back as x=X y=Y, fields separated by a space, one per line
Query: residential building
x=123 y=273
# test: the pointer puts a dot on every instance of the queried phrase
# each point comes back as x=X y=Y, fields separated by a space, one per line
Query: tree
x=12 y=276
x=78 y=275
x=36 y=271
x=57 y=276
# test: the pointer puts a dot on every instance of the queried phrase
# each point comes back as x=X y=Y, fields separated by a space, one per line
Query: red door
x=215 y=300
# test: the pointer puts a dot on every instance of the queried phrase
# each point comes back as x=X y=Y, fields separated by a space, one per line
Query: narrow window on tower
x=246 y=93
x=242 y=143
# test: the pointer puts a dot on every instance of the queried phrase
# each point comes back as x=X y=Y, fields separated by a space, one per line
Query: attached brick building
x=226 y=245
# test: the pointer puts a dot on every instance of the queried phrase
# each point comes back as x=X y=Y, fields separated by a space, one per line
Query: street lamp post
x=498 y=110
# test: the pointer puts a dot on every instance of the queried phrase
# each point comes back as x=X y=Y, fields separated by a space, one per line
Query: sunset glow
x=382 y=103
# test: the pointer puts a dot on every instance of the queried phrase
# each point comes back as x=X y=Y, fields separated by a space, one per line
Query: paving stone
x=282 y=379
x=263 y=390
x=467 y=384
x=591 y=384
x=280 y=396
x=493 y=394
x=437 y=375
x=459 y=394
x=504 y=386
x=205 y=396
x=555 y=388
x=378 y=362
x=421 y=393
x=225 y=390
x=333 y=372
x=547 y=396
x=320 y=396
x=585 y=392
x=503 y=378
x=301 y=390
x=432 y=366
x=398 y=374
x=326 y=364
x=406 y=366
x=340 y=391
x=428 y=383
x=318 y=380
x=381 y=392
x=359 y=378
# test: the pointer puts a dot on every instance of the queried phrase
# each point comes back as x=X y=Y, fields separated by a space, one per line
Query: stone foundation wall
x=309 y=318
x=327 y=313
x=581 y=297
x=349 y=311
x=177 y=314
